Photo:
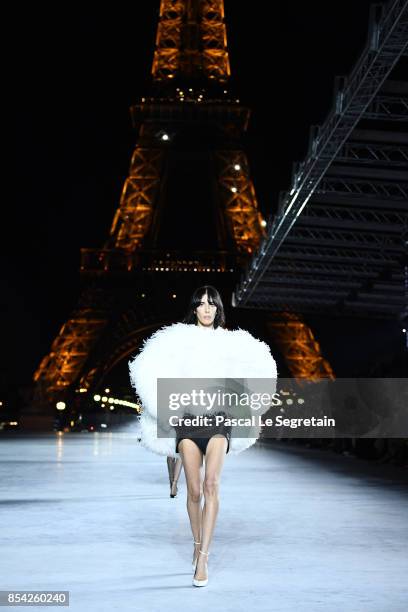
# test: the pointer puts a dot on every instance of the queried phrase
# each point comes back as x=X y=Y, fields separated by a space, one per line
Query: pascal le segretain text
x=252 y=421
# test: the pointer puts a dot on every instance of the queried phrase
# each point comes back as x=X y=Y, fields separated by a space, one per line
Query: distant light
x=1 y=403
x=104 y=425
x=107 y=390
x=97 y=398
x=174 y=295
x=111 y=400
x=190 y=89
x=72 y=423
x=104 y=399
x=60 y=405
x=237 y=167
x=83 y=390
x=165 y=136
x=234 y=189
x=112 y=407
x=13 y=423
x=263 y=223
x=102 y=405
x=143 y=295
x=404 y=330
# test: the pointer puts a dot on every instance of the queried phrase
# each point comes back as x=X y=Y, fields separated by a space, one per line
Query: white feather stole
x=185 y=350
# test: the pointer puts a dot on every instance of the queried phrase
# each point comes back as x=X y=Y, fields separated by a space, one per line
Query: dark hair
x=214 y=298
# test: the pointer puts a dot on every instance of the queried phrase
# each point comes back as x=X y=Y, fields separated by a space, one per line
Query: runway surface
x=298 y=529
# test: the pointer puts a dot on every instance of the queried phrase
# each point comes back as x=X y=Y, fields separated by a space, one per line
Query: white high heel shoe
x=194 y=563
x=201 y=583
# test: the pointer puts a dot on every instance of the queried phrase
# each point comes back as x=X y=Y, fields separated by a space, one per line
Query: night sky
x=73 y=74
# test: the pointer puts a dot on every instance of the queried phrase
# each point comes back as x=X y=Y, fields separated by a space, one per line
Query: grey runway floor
x=297 y=529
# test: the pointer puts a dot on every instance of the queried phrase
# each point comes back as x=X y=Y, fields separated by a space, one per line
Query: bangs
x=214 y=298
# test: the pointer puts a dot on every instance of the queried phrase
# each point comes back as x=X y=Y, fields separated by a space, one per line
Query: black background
x=72 y=74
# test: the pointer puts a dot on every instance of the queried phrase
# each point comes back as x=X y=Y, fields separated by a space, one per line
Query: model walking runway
x=199 y=347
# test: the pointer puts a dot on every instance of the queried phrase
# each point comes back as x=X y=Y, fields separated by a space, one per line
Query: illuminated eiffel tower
x=187 y=216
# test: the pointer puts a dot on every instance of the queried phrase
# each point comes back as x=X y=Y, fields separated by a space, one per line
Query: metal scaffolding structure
x=338 y=243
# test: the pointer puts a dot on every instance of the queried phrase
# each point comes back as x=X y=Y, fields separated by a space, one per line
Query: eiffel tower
x=187 y=216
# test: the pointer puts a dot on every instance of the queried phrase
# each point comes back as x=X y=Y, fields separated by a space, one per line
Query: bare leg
x=170 y=467
x=177 y=469
x=177 y=465
x=192 y=459
x=214 y=460
x=174 y=468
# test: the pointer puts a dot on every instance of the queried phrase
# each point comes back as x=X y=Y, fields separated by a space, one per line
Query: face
x=206 y=312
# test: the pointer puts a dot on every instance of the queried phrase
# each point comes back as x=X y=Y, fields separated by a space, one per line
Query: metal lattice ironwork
x=374 y=154
x=133 y=217
x=299 y=346
x=60 y=368
x=387 y=107
x=358 y=188
x=191 y=41
x=238 y=198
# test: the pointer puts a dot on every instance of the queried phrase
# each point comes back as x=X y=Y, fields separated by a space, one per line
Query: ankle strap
x=204 y=553
x=197 y=542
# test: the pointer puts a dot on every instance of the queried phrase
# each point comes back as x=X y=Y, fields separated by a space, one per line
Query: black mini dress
x=201 y=434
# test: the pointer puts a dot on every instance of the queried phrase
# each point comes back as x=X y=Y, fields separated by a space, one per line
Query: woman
x=206 y=311
x=202 y=347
